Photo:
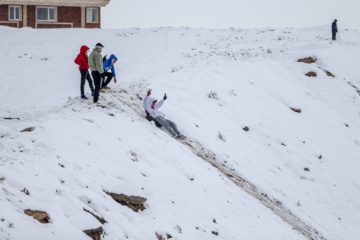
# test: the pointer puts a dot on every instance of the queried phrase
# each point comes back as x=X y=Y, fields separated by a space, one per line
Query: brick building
x=51 y=13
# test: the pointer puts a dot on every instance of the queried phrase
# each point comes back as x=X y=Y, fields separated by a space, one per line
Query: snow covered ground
x=218 y=82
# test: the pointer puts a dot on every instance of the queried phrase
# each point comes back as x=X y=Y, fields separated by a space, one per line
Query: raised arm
x=161 y=102
x=146 y=103
x=146 y=100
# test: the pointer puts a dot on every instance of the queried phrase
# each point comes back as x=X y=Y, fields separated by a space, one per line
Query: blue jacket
x=107 y=64
x=334 y=27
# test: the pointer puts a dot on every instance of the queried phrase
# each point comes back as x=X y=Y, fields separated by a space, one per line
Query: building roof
x=85 y=3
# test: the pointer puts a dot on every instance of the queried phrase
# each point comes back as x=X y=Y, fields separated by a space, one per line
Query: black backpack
x=150 y=118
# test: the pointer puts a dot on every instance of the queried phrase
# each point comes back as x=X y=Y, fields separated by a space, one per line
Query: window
x=45 y=14
x=92 y=15
x=14 y=13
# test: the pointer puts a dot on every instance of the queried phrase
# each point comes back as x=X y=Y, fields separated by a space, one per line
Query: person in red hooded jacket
x=82 y=61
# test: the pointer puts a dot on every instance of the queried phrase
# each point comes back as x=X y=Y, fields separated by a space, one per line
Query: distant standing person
x=334 y=29
x=82 y=61
x=109 y=64
x=96 y=67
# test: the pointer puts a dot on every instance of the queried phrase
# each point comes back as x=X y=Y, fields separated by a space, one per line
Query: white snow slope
x=78 y=150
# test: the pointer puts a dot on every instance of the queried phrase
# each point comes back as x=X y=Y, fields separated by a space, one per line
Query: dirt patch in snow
x=307 y=60
x=311 y=74
x=42 y=217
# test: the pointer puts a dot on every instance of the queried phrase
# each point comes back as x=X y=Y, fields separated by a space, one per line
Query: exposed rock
x=95 y=234
x=101 y=220
x=30 y=129
x=25 y=191
x=246 y=129
x=159 y=236
x=215 y=233
x=133 y=202
x=356 y=88
x=139 y=97
x=42 y=217
x=306 y=169
x=311 y=74
x=329 y=73
x=296 y=110
x=307 y=60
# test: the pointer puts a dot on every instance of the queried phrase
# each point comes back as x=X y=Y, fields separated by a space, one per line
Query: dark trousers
x=109 y=76
x=85 y=75
x=333 y=35
x=97 y=81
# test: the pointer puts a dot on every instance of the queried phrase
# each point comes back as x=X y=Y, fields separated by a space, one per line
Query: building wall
x=31 y=16
x=65 y=16
x=4 y=18
x=4 y=13
x=70 y=14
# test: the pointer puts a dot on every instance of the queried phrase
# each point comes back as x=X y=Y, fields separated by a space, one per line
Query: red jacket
x=82 y=59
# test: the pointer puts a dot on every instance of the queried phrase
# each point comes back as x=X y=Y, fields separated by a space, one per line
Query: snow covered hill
x=292 y=175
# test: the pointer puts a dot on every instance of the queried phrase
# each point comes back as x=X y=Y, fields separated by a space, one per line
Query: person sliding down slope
x=151 y=109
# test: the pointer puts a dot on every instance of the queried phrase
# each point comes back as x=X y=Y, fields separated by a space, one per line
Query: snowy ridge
x=291 y=176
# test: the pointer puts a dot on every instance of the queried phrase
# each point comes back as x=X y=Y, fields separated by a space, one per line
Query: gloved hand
x=149 y=92
x=165 y=97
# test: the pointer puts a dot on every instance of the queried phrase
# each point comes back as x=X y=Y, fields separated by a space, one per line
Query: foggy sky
x=231 y=13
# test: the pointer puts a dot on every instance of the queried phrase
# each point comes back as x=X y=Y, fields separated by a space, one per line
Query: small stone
x=246 y=129
x=311 y=74
x=306 y=169
x=307 y=60
x=30 y=129
x=329 y=74
x=296 y=110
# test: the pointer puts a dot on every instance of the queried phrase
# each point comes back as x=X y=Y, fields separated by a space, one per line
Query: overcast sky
x=231 y=13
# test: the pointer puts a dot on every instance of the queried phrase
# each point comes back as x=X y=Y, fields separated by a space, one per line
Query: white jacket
x=152 y=111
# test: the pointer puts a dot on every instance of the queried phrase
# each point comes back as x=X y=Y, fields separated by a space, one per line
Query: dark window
x=14 y=13
x=45 y=14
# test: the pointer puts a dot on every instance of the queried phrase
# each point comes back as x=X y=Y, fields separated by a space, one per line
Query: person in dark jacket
x=334 y=29
x=109 y=64
x=82 y=61
x=96 y=67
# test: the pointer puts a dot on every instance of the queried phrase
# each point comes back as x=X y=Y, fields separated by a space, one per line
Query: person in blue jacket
x=109 y=64
x=334 y=29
